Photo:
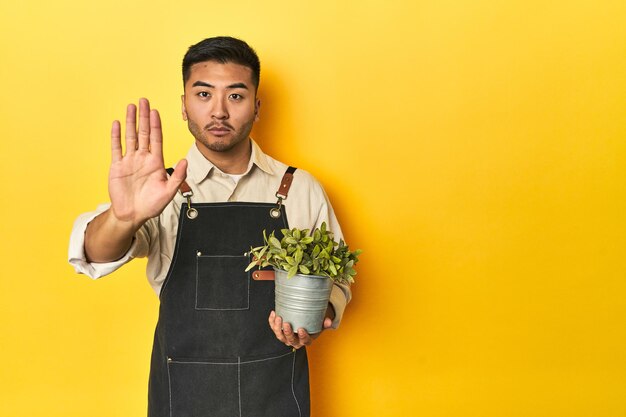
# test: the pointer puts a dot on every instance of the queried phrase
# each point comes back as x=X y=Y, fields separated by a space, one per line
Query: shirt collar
x=200 y=167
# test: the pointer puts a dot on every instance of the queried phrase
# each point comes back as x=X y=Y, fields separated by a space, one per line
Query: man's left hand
x=285 y=333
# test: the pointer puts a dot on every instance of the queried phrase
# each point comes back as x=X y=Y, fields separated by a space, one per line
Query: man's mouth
x=218 y=130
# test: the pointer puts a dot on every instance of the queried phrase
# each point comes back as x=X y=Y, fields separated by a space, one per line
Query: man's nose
x=219 y=109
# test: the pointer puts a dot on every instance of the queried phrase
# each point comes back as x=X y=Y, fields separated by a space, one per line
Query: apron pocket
x=267 y=387
x=203 y=388
x=222 y=283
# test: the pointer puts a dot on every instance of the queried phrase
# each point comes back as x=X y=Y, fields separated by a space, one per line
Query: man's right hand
x=139 y=187
x=138 y=184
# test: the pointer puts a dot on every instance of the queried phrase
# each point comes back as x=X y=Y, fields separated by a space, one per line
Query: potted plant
x=306 y=264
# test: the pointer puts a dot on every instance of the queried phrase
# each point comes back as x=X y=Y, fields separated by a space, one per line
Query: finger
x=275 y=325
x=156 y=134
x=178 y=176
x=116 y=143
x=304 y=337
x=143 y=132
x=291 y=337
x=328 y=323
x=131 y=133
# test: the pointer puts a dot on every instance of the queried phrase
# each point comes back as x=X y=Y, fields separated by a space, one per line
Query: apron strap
x=285 y=184
x=283 y=191
x=281 y=194
x=185 y=191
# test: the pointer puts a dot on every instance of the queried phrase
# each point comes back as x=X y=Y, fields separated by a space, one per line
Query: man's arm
x=139 y=187
x=318 y=210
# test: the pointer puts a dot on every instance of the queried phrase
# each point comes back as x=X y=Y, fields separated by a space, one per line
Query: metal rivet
x=192 y=213
x=275 y=213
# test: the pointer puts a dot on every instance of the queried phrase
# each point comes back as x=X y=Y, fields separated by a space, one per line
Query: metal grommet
x=192 y=213
x=275 y=212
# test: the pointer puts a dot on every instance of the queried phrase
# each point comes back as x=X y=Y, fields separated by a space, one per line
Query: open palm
x=139 y=187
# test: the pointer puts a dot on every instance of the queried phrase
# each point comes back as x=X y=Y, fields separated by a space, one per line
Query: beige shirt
x=307 y=206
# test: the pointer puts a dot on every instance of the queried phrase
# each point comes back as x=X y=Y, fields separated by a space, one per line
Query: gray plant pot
x=302 y=300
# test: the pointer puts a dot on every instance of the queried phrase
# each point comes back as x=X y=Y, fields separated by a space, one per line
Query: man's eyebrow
x=202 y=84
x=231 y=86
x=238 y=85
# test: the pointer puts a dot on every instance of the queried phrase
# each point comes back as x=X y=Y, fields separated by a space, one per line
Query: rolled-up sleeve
x=76 y=251
x=339 y=298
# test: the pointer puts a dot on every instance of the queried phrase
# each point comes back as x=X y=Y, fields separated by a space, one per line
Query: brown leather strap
x=285 y=184
x=263 y=275
x=185 y=189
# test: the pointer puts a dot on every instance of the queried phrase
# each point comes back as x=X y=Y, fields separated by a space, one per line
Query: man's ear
x=257 y=107
x=183 y=109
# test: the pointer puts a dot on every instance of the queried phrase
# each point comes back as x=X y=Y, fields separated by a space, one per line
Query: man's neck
x=234 y=161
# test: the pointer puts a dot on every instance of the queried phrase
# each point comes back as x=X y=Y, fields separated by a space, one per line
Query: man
x=219 y=348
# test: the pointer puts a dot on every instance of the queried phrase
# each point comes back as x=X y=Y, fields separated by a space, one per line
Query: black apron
x=214 y=353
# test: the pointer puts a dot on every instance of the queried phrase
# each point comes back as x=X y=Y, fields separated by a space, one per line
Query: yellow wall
x=476 y=150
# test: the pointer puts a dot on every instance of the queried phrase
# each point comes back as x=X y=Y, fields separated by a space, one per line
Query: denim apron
x=214 y=353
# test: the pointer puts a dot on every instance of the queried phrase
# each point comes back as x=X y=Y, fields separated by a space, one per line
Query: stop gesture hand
x=139 y=187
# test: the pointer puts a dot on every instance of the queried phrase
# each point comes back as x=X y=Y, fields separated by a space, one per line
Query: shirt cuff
x=339 y=298
x=76 y=252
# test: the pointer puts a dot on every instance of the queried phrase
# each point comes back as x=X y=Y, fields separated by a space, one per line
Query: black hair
x=222 y=49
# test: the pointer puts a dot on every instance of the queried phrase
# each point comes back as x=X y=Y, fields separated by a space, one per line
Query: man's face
x=220 y=106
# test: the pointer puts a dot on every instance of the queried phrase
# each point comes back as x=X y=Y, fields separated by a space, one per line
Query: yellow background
x=474 y=149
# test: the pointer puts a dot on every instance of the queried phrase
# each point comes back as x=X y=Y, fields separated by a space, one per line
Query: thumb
x=327 y=323
x=179 y=175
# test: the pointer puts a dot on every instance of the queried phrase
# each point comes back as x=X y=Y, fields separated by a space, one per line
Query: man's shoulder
x=301 y=176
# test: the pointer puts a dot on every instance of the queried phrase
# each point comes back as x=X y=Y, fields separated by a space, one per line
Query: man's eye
x=203 y=94
x=236 y=96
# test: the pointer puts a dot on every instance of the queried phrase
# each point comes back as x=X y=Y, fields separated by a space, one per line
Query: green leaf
x=290 y=260
x=291 y=240
x=303 y=269
x=274 y=242
x=292 y=271
x=332 y=268
x=296 y=233
x=298 y=255
x=251 y=265
x=306 y=240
